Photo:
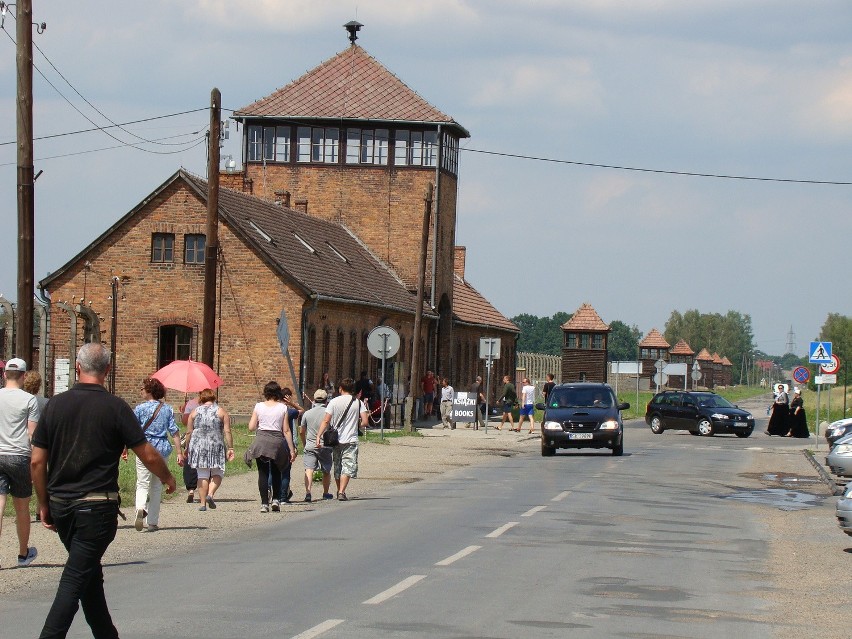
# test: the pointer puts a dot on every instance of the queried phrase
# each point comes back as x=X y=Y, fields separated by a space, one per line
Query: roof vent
x=353 y=27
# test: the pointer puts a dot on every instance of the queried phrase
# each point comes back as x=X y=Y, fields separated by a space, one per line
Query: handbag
x=330 y=437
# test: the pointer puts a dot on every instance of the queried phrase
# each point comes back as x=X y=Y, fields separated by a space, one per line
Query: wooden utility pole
x=416 y=368
x=211 y=253
x=26 y=188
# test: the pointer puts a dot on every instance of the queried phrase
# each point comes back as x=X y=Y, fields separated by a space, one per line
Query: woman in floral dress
x=208 y=431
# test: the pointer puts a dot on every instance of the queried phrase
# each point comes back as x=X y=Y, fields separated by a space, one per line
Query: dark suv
x=582 y=415
x=698 y=412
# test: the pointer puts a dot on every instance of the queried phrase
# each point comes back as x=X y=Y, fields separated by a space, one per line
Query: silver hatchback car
x=839 y=459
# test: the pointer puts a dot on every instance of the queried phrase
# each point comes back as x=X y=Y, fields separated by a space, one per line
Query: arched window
x=353 y=348
x=326 y=351
x=311 y=354
x=338 y=371
x=365 y=354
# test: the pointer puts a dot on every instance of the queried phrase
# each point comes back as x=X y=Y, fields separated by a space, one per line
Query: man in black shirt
x=76 y=448
x=548 y=386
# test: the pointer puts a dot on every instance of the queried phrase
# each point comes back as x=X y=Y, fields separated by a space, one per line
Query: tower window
x=318 y=144
x=268 y=143
x=367 y=146
x=416 y=148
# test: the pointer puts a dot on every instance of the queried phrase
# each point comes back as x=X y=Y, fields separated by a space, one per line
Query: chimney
x=302 y=205
x=459 y=255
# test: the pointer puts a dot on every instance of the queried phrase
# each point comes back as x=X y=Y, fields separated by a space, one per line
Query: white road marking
x=561 y=495
x=317 y=630
x=496 y=533
x=395 y=590
x=533 y=511
x=458 y=555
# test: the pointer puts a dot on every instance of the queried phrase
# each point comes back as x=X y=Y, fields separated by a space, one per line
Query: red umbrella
x=188 y=376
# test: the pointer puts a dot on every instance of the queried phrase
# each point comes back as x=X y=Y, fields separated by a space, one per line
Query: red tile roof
x=470 y=307
x=654 y=339
x=726 y=362
x=585 y=318
x=704 y=356
x=351 y=85
x=716 y=358
x=682 y=348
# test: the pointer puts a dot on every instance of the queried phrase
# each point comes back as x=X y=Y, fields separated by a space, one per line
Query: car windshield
x=580 y=398
x=713 y=401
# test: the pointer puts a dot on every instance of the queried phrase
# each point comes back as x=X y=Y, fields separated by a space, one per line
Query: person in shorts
x=315 y=458
x=345 y=412
x=527 y=405
x=18 y=418
x=428 y=384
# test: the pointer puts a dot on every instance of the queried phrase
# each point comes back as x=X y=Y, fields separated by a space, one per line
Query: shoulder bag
x=331 y=437
x=152 y=418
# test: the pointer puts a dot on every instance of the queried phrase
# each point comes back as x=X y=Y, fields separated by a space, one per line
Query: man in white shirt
x=527 y=405
x=447 y=404
x=18 y=419
x=344 y=413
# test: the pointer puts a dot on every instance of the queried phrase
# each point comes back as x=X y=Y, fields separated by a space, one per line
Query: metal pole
x=26 y=187
x=816 y=427
x=487 y=386
x=382 y=394
x=211 y=253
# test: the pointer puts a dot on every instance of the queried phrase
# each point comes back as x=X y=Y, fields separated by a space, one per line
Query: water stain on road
x=780 y=498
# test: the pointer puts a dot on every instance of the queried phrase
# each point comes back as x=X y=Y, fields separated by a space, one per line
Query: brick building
x=323 y=224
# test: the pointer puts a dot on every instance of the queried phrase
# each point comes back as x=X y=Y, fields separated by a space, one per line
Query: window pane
x=430 y=148
x=332 y=144
x=381 y=154
x=255 y=139
x=304 y=151
x=353 y=145
x=162 y=247
x=400 y=157
x=194 y=253
x=367 y=147
x=282 y=144
x=416 y=154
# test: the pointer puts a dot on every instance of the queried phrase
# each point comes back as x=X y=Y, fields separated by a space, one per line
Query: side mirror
x=624 y=406
x=541 y=406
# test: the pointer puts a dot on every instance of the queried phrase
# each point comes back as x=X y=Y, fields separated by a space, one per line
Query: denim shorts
x=15 y=476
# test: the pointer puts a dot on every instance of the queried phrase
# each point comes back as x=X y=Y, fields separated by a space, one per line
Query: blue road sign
x=820 y=353
x=801 y=374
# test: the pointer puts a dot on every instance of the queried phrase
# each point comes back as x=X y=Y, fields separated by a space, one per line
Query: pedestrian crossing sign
x=820 y=353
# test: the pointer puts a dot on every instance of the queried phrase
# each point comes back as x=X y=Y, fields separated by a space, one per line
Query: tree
x=541 y=334
x=623 y=341
x=838 y=330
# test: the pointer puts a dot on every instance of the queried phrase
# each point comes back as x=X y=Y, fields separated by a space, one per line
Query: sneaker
x=327 y=496
x=342 y=497
x=26 y=560
x=153 y=527
x=276 y=506
x=308 y=497
x=264 y=508
x=190 y=497
x=202 y=508
x=211 y=503
x=140 y=519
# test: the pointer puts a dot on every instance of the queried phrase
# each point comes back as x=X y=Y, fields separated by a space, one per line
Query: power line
x=720 y=176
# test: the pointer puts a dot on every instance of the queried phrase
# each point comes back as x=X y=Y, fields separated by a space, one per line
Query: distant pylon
x=791 y=341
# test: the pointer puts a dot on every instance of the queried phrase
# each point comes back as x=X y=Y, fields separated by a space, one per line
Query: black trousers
x=86 y=529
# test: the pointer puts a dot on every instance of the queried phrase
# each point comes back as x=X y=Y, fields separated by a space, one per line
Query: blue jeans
x=86 y=529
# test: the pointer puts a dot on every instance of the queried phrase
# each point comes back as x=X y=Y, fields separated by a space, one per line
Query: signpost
x=660 y=378
x=696 y=373
x=801 y=374
x=383 y=342
x=489 y=350
x=820 y=353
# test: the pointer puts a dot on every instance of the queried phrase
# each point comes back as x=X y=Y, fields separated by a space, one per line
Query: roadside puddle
x=780 y=498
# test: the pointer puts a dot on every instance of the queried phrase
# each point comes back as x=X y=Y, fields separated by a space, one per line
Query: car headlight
x=749 y=416
x=843 y=449
x=609 y=424
x=552 y=426
x=720 y=416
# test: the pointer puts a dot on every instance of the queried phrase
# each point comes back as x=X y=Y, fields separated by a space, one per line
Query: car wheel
x=547 y=451
x=657 y=425
x=705 y=428
x=745 y=434
x=618 y=449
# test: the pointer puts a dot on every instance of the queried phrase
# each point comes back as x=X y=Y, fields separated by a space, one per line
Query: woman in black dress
x=780 y=413
x=798 y=420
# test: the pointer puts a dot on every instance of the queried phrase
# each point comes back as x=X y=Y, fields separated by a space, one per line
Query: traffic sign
x=383 y=342
x=825 y=379
x=660 y=364
x=661 y=379
x=819 y=353
x=801 y=374
x=830 y=369
x=695 y=375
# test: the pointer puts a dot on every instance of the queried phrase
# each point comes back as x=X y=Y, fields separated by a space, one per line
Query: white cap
x=16 y=364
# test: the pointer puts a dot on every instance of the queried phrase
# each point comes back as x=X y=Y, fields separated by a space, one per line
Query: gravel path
x=810 y=556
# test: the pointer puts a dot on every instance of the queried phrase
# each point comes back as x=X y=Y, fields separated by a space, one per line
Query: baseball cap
x=16 y=364
x=320 y=395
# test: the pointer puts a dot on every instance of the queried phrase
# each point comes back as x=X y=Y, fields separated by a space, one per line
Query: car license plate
x=579 y=436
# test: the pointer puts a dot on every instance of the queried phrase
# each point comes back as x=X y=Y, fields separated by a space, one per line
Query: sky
x=754 y=89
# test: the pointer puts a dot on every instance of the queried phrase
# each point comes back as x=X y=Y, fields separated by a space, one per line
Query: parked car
x=838 y=429
x=701 y=413
x=839 y=458
x=844 y=510
x=582 y=415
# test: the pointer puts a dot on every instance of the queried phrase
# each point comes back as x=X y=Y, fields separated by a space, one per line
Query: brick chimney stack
x=302 y=205
x=459 y=255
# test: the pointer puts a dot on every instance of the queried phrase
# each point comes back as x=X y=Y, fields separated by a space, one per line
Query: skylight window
x=307 y=246
x=261 y=232
x=337 y=253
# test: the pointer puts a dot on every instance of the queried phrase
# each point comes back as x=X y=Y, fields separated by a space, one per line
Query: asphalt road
x=584 y=544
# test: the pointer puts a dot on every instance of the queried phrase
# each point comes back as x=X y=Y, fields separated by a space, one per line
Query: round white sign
x=830 y=369
x=383 y=341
